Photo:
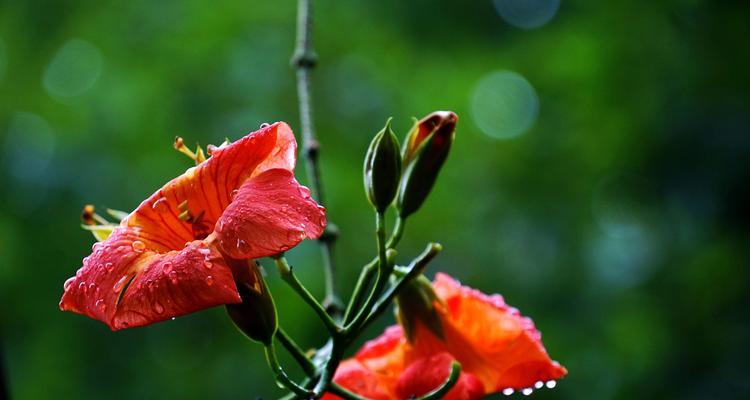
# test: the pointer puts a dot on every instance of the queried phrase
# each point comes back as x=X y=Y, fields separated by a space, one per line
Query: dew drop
x=264 y=125
x=138 y=246
x=167 y=267
x=209 y=280
x=173 y=277
x=539 y=385
x=233 y=194
x=173 y=318
x=92 y=286
x=208 y=264
x=158 y=308
x=204 y=251
x=551 y=384
x=82 y=287
x=79 y=272
x=66 y=285
x=508 y=391
x=100 y=304
x=109 y=266
x=96 y=246
x=527 y=391
x=120 y=284
x=242 y=246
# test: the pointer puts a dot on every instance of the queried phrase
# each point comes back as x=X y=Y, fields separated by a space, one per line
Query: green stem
x=281 y=377
x=415 y=270
x=291 y=346
x=381 y=279
x=368 y=272
x=363 y=282
x=288 y=276
x=441 y=391
x=398 y=232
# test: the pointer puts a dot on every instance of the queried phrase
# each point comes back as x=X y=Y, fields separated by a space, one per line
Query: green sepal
x=416 y=303
x=256 y=315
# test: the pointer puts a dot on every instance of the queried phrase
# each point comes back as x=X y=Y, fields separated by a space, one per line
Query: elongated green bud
x=426 y=148
x=417 y=303
x=382 y=168
x=256 y=315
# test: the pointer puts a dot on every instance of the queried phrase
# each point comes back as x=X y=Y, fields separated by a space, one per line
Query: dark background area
x=599 y=179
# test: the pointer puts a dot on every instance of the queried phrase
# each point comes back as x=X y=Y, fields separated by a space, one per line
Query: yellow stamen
x=198 y=156
x=185 y=216
x=90 y=217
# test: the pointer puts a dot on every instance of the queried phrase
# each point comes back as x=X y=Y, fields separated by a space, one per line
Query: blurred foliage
x=618 y=221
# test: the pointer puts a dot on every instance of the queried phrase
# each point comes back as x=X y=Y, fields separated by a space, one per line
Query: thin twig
x=304 y=60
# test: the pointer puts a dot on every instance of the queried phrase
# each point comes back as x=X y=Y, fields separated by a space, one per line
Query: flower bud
x=417 y=303
x=382 y=168
x=427 y=146
x=256 y=315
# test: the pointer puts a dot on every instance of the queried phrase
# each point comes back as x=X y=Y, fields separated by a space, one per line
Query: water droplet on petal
x=527 y=391
x=173 y=277
x=551 y=384
x=167 y=267
x=158 y=308
x=100 y=304
x=92 y=286
x=82 y=287
x=138 y=246
x=66 y=285
x=233 y=193
x=120 y=284
x=109 y=266
x=95 y=246
x=208 y=264
x=209 y=280
x=264 y=125
x=79 y=272
x=508 y=391
x=173 y=318
x=242 y=246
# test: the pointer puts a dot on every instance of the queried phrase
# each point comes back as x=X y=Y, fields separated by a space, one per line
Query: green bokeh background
x=618 y=221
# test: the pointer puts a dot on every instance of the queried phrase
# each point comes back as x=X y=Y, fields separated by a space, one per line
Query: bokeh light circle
x=504 y=104
x=74 y=69
x=527 y=14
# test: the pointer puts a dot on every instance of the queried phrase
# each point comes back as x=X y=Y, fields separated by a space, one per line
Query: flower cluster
x=498 y=349
x=194 y=243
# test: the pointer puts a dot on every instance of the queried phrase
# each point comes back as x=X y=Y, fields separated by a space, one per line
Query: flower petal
x=355 y=377
x=428 y=373
x=124 y=284
x=490 y=339
x=271 y=213
x=206 y=189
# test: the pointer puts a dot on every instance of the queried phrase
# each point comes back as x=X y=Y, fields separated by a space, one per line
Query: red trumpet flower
x=180 y=251
x=498 y=349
